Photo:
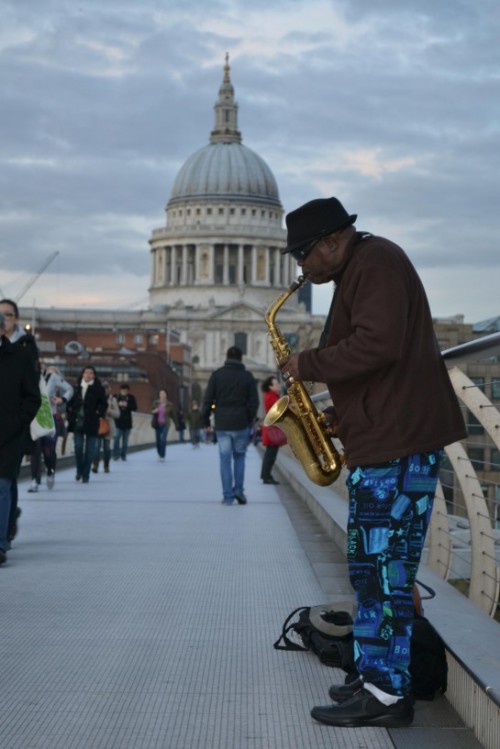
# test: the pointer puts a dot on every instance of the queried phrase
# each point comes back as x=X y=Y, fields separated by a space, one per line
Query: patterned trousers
x=390 y=505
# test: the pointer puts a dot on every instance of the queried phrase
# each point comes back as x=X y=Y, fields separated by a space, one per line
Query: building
x=216 y=266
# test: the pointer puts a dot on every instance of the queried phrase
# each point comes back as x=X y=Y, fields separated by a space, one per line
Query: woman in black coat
x=83 y=411
x=19 y=402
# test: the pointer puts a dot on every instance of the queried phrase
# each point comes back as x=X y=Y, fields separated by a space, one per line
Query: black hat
x=314 y=220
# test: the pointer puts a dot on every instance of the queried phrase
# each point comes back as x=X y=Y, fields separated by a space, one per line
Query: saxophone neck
x=280 y=300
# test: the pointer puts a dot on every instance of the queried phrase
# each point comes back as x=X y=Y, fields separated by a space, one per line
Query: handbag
x=275 y=436
x=43 y=424
x=103 y=429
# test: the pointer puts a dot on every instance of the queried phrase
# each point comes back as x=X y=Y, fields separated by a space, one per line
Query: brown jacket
x=381 y=362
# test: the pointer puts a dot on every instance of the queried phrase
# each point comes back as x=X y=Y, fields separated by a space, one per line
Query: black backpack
x=327 y=632
x=428 y=665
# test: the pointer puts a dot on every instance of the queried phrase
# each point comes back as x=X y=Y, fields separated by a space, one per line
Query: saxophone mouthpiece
x=298 y=282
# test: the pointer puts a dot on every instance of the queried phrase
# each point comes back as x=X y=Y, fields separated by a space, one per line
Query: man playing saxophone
x=394 y=411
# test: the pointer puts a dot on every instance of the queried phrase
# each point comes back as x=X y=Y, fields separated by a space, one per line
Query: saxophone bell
x=317 y=467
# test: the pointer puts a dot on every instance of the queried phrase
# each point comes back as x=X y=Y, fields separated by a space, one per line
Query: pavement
x=140 y=613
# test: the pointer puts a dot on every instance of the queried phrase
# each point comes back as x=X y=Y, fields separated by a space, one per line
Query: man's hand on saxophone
x=290 y=368
x=331 y=421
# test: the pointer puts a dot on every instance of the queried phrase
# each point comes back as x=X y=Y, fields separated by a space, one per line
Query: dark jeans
x=121 y=437
x=195 y=436
x=161 y=440
x=85 y=453
x=104 y=446
x=5 y=493
x=14 y=497
x=268 y=461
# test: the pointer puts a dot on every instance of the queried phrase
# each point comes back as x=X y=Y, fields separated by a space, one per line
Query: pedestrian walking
x=162 y=414
x=84 y=410
x=104 y=443
x=232 y=396
x=195 y=424
x=123 y=423
x=59 y=392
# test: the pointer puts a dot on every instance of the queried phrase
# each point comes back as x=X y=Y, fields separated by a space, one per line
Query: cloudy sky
x=393 y=106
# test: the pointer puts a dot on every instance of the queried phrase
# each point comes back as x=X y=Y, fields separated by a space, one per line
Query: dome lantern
x=226 y=112
x=225 y=168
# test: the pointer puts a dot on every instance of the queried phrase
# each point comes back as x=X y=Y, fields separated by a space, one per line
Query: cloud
x=393 y=107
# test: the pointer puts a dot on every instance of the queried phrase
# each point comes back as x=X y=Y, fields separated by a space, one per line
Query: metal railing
x=464 y=542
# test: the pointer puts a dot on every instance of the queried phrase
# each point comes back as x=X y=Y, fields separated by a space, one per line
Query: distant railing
x=141 y=435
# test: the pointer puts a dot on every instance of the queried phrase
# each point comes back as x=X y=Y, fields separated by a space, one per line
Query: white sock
x=383 y=697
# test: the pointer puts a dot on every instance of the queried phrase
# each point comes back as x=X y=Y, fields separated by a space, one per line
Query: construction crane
x=36 y=275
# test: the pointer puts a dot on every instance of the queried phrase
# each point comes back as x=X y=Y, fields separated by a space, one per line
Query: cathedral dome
x=226 y=170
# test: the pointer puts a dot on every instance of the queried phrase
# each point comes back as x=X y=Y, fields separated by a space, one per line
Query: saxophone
x=296 y=415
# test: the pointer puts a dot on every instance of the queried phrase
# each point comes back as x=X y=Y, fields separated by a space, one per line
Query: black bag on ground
x=334 y=653
x=326 y=630
x=428 y=665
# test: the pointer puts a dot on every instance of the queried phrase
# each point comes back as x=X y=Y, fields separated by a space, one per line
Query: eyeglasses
x=301 y=253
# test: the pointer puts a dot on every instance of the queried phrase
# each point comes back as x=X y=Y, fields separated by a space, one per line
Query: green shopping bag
x=43 y=424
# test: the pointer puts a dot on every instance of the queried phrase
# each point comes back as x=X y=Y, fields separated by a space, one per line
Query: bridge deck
x=139 y=613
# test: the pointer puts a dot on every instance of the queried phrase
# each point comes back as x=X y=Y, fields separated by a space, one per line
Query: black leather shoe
x=342 y=692
x=241 y=499
x=363 y=709
x=3 y=556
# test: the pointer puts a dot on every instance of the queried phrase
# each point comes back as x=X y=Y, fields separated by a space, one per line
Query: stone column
x=240 y=264
x=254 y=265
x=184 y=265
x=173 y=266
x=225 y=268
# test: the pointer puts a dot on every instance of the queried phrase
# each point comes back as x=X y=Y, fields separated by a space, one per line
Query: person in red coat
x=272 y=391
